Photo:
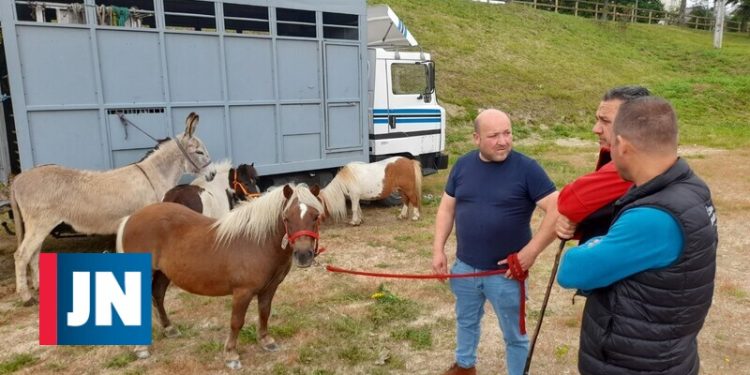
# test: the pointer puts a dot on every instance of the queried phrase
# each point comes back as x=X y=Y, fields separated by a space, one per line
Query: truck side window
x=408 y=79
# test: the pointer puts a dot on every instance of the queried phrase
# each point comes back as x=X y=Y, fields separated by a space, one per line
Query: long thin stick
x=544 y=307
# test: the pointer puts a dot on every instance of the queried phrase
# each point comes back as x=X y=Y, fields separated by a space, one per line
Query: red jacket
x=590 y=192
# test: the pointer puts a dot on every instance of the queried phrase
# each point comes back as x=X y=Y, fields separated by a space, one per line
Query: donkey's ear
x=288 y=191
x=315 y=190
x=190 y=124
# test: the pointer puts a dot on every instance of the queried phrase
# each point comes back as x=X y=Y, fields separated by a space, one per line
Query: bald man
x=491 y=194
x=651 y=276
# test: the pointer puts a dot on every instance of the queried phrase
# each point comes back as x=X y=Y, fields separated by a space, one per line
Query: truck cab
x=405 y=117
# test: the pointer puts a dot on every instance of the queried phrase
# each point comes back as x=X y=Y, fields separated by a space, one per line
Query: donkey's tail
x=120 y=233
x=418 y=181
x=17 y=218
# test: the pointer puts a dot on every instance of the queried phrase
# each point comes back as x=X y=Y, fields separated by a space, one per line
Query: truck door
x=411 y=112
x=342 y=98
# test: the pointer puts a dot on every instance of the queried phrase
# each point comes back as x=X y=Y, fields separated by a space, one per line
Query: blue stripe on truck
x=410 y=111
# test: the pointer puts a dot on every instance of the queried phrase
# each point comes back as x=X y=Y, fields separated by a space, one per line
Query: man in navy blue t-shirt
x=491 y=194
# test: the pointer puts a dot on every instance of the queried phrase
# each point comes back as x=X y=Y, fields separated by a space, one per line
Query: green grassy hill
x=550 y=70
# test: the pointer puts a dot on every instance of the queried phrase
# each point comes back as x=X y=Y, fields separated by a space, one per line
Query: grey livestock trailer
x=279 y=83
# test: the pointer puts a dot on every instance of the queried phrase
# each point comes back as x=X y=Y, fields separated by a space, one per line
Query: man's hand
x=439 y=263
x=565 y=228
x=526 y=257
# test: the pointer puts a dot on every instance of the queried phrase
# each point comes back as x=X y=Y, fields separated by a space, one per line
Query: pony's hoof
x=233 y=364
x=271 y=347
x=29 y=302
x=171 y=332
x=401 y=217
x=355 y=223
x=415 y=218
x=142 y=354
x=269 y=344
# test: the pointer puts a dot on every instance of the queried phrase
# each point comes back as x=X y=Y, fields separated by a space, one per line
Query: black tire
x=392 y=200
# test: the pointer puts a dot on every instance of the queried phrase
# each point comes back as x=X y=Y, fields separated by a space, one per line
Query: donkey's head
x=302 y=221
x=192 y=148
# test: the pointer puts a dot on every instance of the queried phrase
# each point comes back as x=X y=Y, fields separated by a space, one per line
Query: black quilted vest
x=647 y=324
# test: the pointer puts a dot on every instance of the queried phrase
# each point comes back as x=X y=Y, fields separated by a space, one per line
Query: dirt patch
x=318 y=316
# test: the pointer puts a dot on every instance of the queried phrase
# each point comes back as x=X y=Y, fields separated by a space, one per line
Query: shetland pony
x=246 y=253
x=373 y=181
x=217 y=191
x=94 y=202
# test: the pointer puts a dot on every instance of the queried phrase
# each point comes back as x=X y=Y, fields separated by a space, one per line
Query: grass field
x=549 y=72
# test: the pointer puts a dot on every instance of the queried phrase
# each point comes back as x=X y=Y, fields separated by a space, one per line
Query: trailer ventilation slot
x=246 y=19
x=189 y=15
x=295 y=22
x=134 y=111
x=340 y=26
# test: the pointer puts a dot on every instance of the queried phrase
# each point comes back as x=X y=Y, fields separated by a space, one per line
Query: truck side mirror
x=429 y=67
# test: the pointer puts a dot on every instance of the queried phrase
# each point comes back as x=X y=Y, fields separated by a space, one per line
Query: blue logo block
x=95 y=299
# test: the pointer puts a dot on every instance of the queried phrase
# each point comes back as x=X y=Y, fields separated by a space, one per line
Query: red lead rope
x=519 y=274
x=515 y=269
x=407 y=276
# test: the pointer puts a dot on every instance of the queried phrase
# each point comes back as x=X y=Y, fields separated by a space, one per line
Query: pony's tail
x=17 y=218
x=418 y=181
x=120 y=234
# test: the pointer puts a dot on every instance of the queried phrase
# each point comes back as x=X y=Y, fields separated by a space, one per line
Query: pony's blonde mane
x=258 y=219
x=335 y=193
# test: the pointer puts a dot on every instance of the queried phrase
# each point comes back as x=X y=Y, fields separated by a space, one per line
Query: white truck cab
x=405 y=116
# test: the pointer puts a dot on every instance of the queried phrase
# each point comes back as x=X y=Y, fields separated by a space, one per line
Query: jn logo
x=95 y=299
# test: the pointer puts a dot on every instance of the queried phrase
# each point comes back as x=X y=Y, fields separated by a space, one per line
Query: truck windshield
x=409 y=78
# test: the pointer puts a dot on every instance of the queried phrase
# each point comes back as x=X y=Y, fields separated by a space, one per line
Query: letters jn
x=108 y=294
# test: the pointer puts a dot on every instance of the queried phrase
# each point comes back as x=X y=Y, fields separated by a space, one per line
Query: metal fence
x=629 y=13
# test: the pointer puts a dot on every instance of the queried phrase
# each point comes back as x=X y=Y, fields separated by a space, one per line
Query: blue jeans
x=504 y=295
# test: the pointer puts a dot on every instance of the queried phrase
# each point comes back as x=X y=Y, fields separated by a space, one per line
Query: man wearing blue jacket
x=651 y=277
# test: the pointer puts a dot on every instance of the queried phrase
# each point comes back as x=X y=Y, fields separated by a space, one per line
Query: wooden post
x=596 y=12
x=649 y=16
x=719 y=29
x=556 y=4
x=534 y=4
x=614 y=12
x=576 y=11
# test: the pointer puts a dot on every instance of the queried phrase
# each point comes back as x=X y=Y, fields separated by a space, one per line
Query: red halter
x=310 y=233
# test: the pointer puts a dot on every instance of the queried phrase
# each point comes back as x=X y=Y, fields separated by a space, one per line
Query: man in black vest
x=651 y=276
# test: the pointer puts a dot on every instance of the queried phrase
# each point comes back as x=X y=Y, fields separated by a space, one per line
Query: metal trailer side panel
x=287 y=103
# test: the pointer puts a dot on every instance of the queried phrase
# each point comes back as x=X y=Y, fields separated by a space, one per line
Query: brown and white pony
x=94 y=202
x=246 y=253
x=218 y=190
x=362 y=181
